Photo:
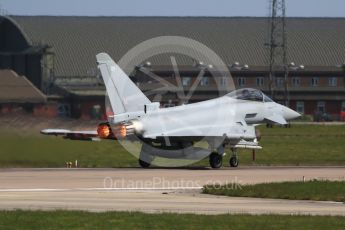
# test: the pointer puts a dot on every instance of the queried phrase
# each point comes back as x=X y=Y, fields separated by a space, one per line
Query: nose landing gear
x=234 y=158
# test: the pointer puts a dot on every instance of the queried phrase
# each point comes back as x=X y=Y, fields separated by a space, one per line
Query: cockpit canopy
x=249 y=94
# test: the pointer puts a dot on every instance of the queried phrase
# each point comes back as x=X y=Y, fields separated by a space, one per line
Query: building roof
x=76 y=40
x=18 y=89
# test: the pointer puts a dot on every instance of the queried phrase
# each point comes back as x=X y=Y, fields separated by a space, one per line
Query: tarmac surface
x=158 y=190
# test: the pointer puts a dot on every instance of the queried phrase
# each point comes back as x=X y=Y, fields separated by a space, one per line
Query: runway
x=157 y=190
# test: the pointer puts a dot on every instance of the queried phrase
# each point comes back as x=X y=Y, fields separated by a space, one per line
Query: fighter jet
x=228 y=121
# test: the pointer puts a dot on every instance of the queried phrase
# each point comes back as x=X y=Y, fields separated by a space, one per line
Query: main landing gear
x=216 y=160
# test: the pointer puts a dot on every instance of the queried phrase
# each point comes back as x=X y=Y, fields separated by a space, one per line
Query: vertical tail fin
x=123 y=94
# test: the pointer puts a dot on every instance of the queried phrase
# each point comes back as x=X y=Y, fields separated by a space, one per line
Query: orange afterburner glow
x=103 y=131
x=121 y=131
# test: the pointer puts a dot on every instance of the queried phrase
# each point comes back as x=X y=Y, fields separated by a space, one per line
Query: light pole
x=287 y=68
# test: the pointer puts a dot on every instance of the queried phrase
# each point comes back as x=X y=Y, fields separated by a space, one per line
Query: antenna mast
x=277 y=44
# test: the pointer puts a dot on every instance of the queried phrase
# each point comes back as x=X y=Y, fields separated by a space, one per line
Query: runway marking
x=95 y=189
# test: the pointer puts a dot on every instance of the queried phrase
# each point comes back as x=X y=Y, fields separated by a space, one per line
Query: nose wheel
x=233 y=161
x=234 y=158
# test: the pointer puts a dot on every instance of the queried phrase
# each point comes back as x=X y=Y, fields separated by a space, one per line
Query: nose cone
x=290 y=114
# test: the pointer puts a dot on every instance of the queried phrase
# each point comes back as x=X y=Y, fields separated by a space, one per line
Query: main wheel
x=144 y=164
x=233 y=161
x=216 y=160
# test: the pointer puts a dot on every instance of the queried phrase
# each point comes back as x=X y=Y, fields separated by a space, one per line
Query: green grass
x=49 y=151
x=310 y=190
x=299 y=145
x=123 y=220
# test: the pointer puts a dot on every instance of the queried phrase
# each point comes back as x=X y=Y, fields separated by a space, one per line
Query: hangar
x=58 y=55
x=18 y=94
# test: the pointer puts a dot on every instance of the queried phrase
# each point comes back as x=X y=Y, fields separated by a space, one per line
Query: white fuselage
x=223 y=116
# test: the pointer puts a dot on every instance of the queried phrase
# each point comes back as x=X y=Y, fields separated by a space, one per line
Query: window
x=315 y=81
x=259 y=81
x=267 y=99
x=64 y=110
x=321 y=106
x=332 y=81
x=241 y=81
x=300 y=107
x=186 y=81
x=247 y=94
x=204 y=81
x=343 y=106
x=296 y=81
x=279 y=81
x=223 y=81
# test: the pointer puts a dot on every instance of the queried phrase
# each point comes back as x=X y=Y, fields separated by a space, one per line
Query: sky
x=294 y=8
